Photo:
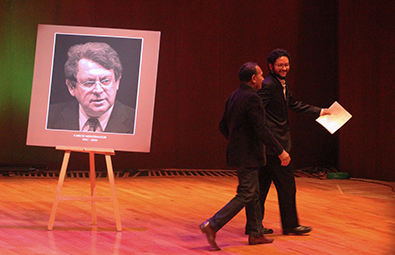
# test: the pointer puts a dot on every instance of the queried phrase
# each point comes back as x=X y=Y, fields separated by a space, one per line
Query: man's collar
x=247 y=86
x=103 y=119
x=274 y=77
x=282 y=81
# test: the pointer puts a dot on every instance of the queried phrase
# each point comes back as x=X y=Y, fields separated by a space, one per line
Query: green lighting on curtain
x=18 y=39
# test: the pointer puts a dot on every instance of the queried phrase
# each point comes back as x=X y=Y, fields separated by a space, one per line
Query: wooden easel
x=93 y=198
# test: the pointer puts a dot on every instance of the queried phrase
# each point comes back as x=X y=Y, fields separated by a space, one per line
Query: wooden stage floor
x=161 y=215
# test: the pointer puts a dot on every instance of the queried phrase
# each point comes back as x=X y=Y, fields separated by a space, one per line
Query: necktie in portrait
x=93 y=124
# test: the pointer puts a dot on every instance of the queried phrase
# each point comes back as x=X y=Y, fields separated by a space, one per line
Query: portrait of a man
x=92 y=76
x=93 y=87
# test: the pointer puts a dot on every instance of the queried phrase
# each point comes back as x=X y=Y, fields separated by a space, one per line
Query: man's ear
x=70 y=87
x=270 y=67
x=253 y=78
x=117 y=82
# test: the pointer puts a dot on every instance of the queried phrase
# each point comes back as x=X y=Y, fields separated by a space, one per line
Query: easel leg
x=93 y=185
x=59 y=189
x=110 y=173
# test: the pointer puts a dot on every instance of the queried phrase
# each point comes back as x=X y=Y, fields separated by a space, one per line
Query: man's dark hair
x=246 y=71
x=100 y=53
x=275 y=54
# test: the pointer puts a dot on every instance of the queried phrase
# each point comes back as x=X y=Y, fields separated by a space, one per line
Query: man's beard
x=279 y=76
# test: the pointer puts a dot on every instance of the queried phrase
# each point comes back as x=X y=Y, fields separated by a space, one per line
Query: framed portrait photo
x=93 y=87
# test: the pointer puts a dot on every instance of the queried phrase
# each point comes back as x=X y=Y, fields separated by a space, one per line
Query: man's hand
x=285 y=158
x=325 y=111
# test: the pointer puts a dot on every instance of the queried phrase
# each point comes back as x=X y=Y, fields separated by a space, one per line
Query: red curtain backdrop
x=340 y=51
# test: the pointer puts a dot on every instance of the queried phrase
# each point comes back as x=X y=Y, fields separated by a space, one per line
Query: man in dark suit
x=65 y=116
x=277 y=99
x=93 y=72
x=244 y=127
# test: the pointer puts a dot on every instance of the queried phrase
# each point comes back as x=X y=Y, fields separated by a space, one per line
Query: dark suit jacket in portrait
x=276 y=109
x=66 y=116
x=243 y=124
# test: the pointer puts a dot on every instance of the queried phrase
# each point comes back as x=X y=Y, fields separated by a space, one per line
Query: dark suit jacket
x=276 y=108
x=244 y=126
x=66 y=116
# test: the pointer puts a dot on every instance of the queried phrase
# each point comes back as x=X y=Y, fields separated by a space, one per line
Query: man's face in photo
x=95 y=89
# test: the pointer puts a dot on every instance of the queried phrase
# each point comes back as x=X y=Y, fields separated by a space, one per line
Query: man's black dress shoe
x=259 y=240
x=210 y=234
x=299 y=230
x=267 y=231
